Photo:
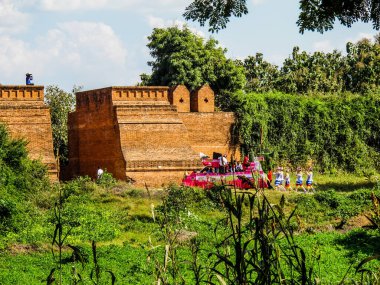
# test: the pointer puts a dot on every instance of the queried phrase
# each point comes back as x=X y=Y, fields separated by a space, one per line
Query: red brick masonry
x=150 y=134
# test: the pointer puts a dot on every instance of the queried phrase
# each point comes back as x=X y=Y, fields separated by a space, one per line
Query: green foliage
x=363 y=60
x=182 y=57
x=60 y=103
x=315 y=15
x=261 y=75
x=331 y=204
x=20 y=180
x=121 y=220
x=79 y=186
x=333 y=132
x=106 y=180
x=312 y=73
x=216 y=12
x=318 y=72
x=319 y=15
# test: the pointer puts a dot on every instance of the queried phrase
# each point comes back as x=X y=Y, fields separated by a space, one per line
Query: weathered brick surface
x=24 y=113
x=138 y=132
x=202 y=99
x=179 y=96
x=211 y=132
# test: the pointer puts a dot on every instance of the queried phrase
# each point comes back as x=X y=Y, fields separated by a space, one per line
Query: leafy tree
x=320 y=15
x=315 y=15
x=60 y=103
x=182 y=57
x=217 y=12
x=363 y=59
x=261 y=75
x=317 y=72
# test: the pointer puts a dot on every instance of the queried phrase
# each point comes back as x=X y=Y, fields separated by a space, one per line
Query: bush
x=21 y=181
x=106 y=180
x=329 y=198
x=81 y=185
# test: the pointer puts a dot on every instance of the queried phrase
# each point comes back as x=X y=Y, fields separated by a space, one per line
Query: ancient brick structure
x=145 y=133
x=23 y=111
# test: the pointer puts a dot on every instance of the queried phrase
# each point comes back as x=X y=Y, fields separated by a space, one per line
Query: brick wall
x=94 y=136
x=202 y=99
x=23 y=111
x=211 y=132
x=144 y=133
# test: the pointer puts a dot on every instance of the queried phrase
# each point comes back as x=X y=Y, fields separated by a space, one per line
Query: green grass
x=120 y=220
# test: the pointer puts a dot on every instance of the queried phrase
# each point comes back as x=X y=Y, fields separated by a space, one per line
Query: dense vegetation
x=319 y=72
x=21 y=180
x=333 y=132
x=190 y=236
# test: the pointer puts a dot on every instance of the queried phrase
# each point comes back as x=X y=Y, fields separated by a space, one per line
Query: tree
x=363 y=59
x=261 y=75
x=60 y=103
x=217 y=12
x=310 y=73
x=315 y=15
x=181 y=57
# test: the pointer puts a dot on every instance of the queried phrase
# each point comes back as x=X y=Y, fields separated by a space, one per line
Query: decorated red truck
x=208 y=177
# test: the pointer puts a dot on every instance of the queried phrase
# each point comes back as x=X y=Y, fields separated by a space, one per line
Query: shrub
x=329 y=198
x=106 y=180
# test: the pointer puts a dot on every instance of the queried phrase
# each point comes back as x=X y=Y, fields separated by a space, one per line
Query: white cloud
x=80 y=52
x=59 y=5
x=138 y=5
x=324 y=46
x=11 y=19
x=258 y=2
x=157 y=22
x=361 y=36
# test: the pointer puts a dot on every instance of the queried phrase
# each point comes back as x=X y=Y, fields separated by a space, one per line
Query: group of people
x=225 y=166
x=280 y=178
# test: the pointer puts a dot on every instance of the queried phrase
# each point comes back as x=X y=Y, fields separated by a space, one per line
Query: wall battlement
x=21 y=93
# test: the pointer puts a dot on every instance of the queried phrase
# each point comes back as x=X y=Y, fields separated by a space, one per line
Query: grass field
x=132 y=226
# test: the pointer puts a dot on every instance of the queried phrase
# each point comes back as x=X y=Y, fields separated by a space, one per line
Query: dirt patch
x=25 y=248
x=358 y=222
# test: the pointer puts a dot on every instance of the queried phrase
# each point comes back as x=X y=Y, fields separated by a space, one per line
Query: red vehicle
x=208 y=177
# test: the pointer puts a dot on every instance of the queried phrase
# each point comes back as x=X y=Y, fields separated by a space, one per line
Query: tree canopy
x=305 y=73
x=60 y=103
x=315 y=15
x=182 y=57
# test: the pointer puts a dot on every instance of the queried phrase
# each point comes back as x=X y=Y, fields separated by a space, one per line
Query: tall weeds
x=258 y=245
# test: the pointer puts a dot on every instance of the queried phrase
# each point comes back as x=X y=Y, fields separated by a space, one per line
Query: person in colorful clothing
x=299 y=179
x=246 y=162
x=287 y=181
x=309 y=180
x=279 y=179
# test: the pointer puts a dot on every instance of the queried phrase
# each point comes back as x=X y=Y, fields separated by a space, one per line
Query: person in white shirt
x=99 y=173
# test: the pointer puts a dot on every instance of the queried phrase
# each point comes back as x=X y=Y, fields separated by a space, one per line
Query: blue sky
x=99 y=43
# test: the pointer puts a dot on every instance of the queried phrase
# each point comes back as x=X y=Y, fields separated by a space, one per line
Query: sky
x=100 y=43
